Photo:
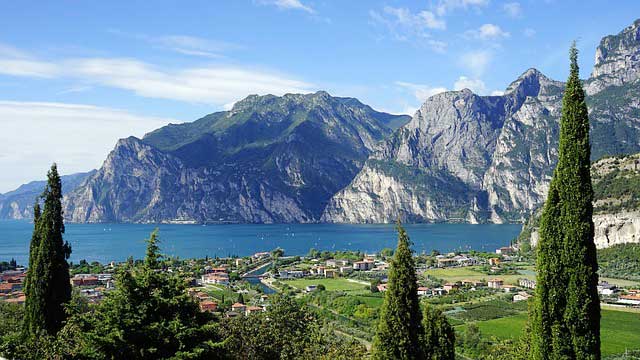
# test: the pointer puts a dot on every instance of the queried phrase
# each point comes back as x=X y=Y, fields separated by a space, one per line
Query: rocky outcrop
x=18 y=204
x=497 y=153
x=617 y=60
x=618 y=228
x=269 y=159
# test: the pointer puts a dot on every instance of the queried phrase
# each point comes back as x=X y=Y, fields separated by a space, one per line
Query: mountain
x=18 y=204
x=471 y=158
x=269 y=159
x=616 y=215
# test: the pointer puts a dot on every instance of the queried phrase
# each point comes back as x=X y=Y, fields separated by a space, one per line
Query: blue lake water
x=107 y=242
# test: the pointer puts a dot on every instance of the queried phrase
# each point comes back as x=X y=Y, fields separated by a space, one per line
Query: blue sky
x=77 y=75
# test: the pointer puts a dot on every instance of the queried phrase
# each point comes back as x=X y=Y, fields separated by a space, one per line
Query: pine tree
x=47 y=286
x=566 y=315
x=438 y=340
x=400 y=324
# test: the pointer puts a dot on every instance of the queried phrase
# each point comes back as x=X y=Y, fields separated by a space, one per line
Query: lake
x=107 y=242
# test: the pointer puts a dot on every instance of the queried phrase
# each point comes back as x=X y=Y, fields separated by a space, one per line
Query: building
x=494 y=261
x=382 y=287
x=472 y=283
x=632 y=300
x=521 y=296
x=423 y=291
x=448 y=287
x=208 y=305
x=505 y=250
x=346 y=270
x=363 y=265
x=509 y=288
x=495 y=283
x=291 y=274
x=527 y=283
x=253 y=309
x=330 y=273
x=239 y=308
x=447 y=262
x=261 y=255
x=604 y=288
x=7 y=288
x=216 y=278
x=85 y=280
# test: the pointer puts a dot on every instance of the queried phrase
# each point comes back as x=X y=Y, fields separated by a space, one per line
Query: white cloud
x=77 y=137
x=184 y=44
x=446 y=6
x=513 y=9
x=289 y=4
x=214 y=84
x=405 y=25
x=476 y=61
x=529 y=32
x=475 y=85
x=497 y=93
x=487 y=32
x=421 y=91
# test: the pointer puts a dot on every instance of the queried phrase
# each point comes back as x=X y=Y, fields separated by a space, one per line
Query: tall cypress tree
x=566 y=315
x=400 y=324
x=47 y=286
x=439 y=338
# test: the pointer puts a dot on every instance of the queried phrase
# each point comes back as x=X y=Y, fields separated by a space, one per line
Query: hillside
x=268 y=159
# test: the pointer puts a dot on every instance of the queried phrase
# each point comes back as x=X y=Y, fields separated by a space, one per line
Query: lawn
x=620 y=330
x=470 y=272
x=337 y=284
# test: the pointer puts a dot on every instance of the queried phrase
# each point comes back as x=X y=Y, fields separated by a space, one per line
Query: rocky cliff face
x=18 y=204
x=269 y=159
x=493 y=156
x=616 y=187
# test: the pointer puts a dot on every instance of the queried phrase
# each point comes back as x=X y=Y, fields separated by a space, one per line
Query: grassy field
x=471 y=273
x=337 y=284
x=620 y=330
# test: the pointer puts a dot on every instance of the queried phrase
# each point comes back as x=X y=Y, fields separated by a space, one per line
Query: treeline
x=620 y=261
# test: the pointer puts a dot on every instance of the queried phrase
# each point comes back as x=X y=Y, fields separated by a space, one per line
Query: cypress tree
x=47 y=286
x=439 y=338
x=400 y=325
x=566 y=315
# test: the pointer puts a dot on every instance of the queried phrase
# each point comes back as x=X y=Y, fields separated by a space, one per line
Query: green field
x=337 y=284
x=620 y=330
x=470 y=272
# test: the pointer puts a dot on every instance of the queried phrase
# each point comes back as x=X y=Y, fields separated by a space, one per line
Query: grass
x=337 y=284
x=470 y=272
x=620 y=330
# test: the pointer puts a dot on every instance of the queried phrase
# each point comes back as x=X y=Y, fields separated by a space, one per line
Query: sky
x=75 y=76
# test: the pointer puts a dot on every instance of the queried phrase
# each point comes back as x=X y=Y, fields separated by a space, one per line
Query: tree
x=240 y=298
x=400 y=325
x=47 y=286
x=439 y=338
x=566 y=315
x=148 y=316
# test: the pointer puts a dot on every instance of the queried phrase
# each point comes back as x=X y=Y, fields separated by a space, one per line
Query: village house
x=291 y=274
x=509 y=288
x=495 y=283
x=239 y=262
x=604 y=288
x=521 y=296
x=239 y=308
x=382 y=287
x=208 y=305
x=505 y=250
x=527 y=283
x=346 y=270
x=494 y=261
x=447 y=262
x=254 y=309
x=330 y=273
x=216 y=278
x=364 y=265
x=6 y=288
x=631 y=300
x=423 y=291
x=472 y=283
x=448 y=287
x=84 y=280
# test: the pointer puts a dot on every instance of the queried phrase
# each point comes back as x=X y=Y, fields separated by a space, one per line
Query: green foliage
x=617 y=190
x=438 y=339
x=148 y=316
x=400 y=325
x=286 y=330
x=566 y=318
x=620 y=261
x=47 y=286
